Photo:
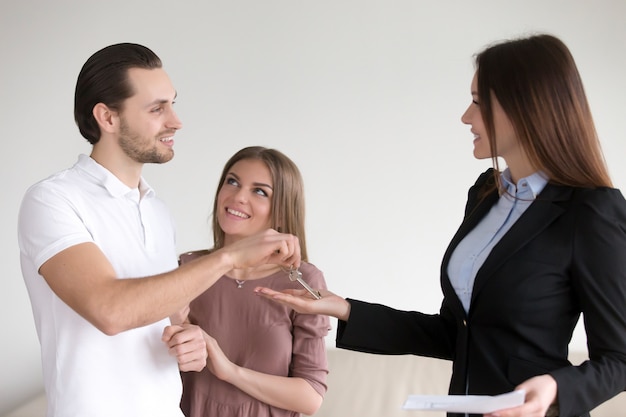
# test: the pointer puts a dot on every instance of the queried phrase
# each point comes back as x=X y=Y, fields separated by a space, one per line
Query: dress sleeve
x=599 y=283
x=309 y=331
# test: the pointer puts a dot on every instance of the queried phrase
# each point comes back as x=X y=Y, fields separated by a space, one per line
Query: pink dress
x=258 y=334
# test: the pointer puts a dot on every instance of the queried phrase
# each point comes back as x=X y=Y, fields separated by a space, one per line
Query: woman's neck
x=520 y=169
x=252 y=273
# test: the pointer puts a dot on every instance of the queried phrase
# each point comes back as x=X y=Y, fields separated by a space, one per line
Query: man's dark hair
x=104 y=79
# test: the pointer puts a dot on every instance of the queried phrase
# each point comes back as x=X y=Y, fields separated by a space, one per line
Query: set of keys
x=295 y=275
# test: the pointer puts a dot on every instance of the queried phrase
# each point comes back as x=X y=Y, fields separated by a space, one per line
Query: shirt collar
x=109 y=181
x=535 y=183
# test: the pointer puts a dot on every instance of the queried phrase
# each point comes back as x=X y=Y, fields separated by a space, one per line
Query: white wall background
x=365 y=96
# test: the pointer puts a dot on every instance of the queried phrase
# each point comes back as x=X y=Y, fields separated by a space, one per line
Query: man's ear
x=107 y=118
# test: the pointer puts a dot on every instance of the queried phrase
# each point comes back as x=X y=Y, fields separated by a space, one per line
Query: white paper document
x=478 y=404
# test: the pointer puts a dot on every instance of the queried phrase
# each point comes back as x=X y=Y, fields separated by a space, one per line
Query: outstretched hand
x=301 y=301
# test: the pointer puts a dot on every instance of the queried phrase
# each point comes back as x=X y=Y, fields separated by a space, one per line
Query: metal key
x=295 y=275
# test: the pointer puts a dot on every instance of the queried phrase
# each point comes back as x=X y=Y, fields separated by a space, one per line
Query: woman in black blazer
x=541 y=242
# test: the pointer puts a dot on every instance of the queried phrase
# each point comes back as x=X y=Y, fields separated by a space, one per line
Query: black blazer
x=566 y=255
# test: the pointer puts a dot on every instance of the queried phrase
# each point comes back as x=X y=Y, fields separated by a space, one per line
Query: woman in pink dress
x=264 y=359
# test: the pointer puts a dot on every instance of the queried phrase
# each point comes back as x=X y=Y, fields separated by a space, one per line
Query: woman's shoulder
x=602 y=200
x=308 y=267
x=593 y=204
x=485 y=185
x=311 y=273
x=191 y=255
x=486 y=180
x=601 y=193
x=487 y=176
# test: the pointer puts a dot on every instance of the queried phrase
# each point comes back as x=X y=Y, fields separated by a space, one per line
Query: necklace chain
x=240 y=282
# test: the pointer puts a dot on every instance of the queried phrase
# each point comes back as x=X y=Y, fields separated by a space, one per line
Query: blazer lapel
x=541 y=213
x=473 y=217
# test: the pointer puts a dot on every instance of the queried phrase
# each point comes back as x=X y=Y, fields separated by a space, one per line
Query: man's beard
x=131 y=143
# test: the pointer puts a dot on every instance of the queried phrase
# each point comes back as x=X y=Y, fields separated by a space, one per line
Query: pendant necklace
x=240 y=283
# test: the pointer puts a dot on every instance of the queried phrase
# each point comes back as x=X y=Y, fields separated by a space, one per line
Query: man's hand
x=187 y=344
x=267 y=247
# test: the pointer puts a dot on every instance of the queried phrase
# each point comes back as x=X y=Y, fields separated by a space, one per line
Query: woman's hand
x=286 y=392
x=301 y=301
x=541 y=395
x=217 y=362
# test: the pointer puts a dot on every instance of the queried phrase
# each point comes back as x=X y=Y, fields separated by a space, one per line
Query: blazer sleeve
x=375 y=328
x=599 y=282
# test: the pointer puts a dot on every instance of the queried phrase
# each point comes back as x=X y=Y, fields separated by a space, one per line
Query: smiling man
x=99 y=258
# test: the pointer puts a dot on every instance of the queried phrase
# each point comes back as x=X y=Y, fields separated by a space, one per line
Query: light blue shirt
x=472 y=251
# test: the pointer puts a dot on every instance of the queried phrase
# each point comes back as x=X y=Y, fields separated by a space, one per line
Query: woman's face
x=506 y=140
x=244 y=201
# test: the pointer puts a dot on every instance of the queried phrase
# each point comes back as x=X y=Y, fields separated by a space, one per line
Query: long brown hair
x=287 y=198
x=536 y=82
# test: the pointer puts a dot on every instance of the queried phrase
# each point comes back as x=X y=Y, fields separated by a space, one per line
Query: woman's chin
x=479 y=154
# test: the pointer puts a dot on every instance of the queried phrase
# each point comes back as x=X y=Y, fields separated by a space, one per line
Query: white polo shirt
x=86 y=372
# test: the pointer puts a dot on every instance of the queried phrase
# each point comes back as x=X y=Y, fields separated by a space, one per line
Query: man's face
x=148 y=121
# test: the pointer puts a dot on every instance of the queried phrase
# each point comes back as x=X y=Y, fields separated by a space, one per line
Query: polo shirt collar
x=109 y=181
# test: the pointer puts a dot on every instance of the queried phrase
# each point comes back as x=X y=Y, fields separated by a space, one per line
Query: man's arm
x=84 y=279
